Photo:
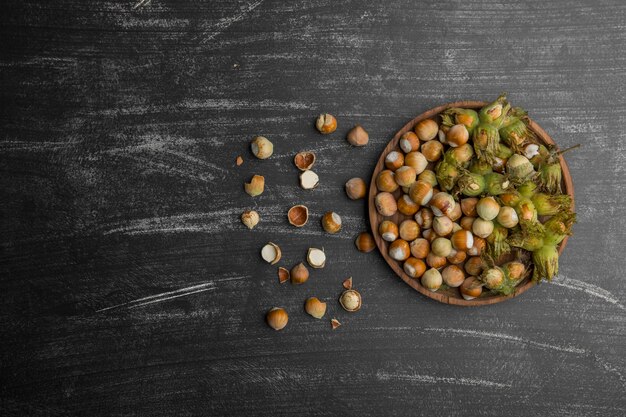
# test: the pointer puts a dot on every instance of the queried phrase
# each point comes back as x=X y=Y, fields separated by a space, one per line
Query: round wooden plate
x=451 y=295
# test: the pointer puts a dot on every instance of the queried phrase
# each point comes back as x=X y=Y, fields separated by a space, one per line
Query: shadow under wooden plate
x=451 y=295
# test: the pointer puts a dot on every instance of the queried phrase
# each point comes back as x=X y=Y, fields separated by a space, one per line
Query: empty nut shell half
x=283 y=275
x=304 y=160
x=350 y=300
x=298 y=215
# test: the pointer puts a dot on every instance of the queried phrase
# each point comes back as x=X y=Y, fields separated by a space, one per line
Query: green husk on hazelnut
x=456 y=115
x=496 y=184
x=470 y=184
x=447 y=175
x=495 y=113
x=558 y=227
x=481 y=167
x=549 y=205
x=486 y=140
x=497 y=245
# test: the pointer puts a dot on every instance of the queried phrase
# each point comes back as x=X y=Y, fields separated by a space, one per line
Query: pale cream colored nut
x=309 y=180
x=432 y=280
x=316 y=258
x=365 y=242
x=283 y=275
x=271 y=253
x=357 y=136
x=331 y=222
x=261 y=147
x=298 y=215
x=314 y=307
x=277 y=318
x=326 y=123
x=256 y=186
x=350 y=300
x=304 y=160
x=356 y=188
x=385 y=204
x=299 y=274
x=250 y=218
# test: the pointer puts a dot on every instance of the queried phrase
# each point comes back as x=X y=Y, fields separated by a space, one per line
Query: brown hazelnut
x=331 y=222
x=277 y=318
x=432 y=150
x=385 y=204
x=409 y=142
x=388 y=230
x=365 y=242
x=462 y=240
x=409 y=230
x=386 y=181
x=414 y=267
x=456 y=257
x=394 y=160
x=435 y=261
x=314 y=307
x=468 y=206
x=417 y=161
x=426 y=130
x=474 y=265
x=457 y=136
x=453 y=276
x=471 y=288
x=356 y=188
x=407 y=206
x=399 y=250
x=405 y=176
x=299 y=274
x=424 y=217
x=466 y=223
x=420 y=248
x=357 y=136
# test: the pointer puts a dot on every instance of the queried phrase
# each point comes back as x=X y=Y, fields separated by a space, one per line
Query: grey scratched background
x=120 y=124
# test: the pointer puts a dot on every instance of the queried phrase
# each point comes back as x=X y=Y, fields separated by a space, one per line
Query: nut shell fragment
x=304 y=160
x=239 y=160
x=298 y=215
x=283 y=275
x=347 y=284
x=334 y=323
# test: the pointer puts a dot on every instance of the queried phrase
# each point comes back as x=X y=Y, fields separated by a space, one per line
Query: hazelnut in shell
x=409 y=142
x=277 y=318
x=356 y=188
x=414 y=267
x=405 y=176
x=426 y=130
x=314 y=307
x=435 y=261
x=471 y=288
x=420 y=248
x=453 y=276
x=417 y=161
x=421 y=192
x=299 y=274
x=432 y=150
x=457 y=135
x=399 y=250
x=386 y=204
x=331 y=222
x=407 y=206
x=394 y=160
x=386 y=181
x=409 y=230
x=432 y=279
x=357 y=136
x=365 y=242
x=388 y=230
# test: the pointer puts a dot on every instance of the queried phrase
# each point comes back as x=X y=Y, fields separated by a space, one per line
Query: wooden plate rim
x=376 y=218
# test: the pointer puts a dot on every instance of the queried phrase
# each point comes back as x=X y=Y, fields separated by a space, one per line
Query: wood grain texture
x=119 y=131
x=450 y=295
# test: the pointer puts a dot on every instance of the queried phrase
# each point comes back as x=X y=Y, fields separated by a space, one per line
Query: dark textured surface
x=119 y=130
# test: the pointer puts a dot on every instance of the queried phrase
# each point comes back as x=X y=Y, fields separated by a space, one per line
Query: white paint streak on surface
x=510 y=338
x=587 y=288
x=229 y=21
x=430 y=379
x=169 y=295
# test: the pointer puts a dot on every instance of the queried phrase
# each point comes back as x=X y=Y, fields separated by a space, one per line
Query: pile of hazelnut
x=298 y=215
